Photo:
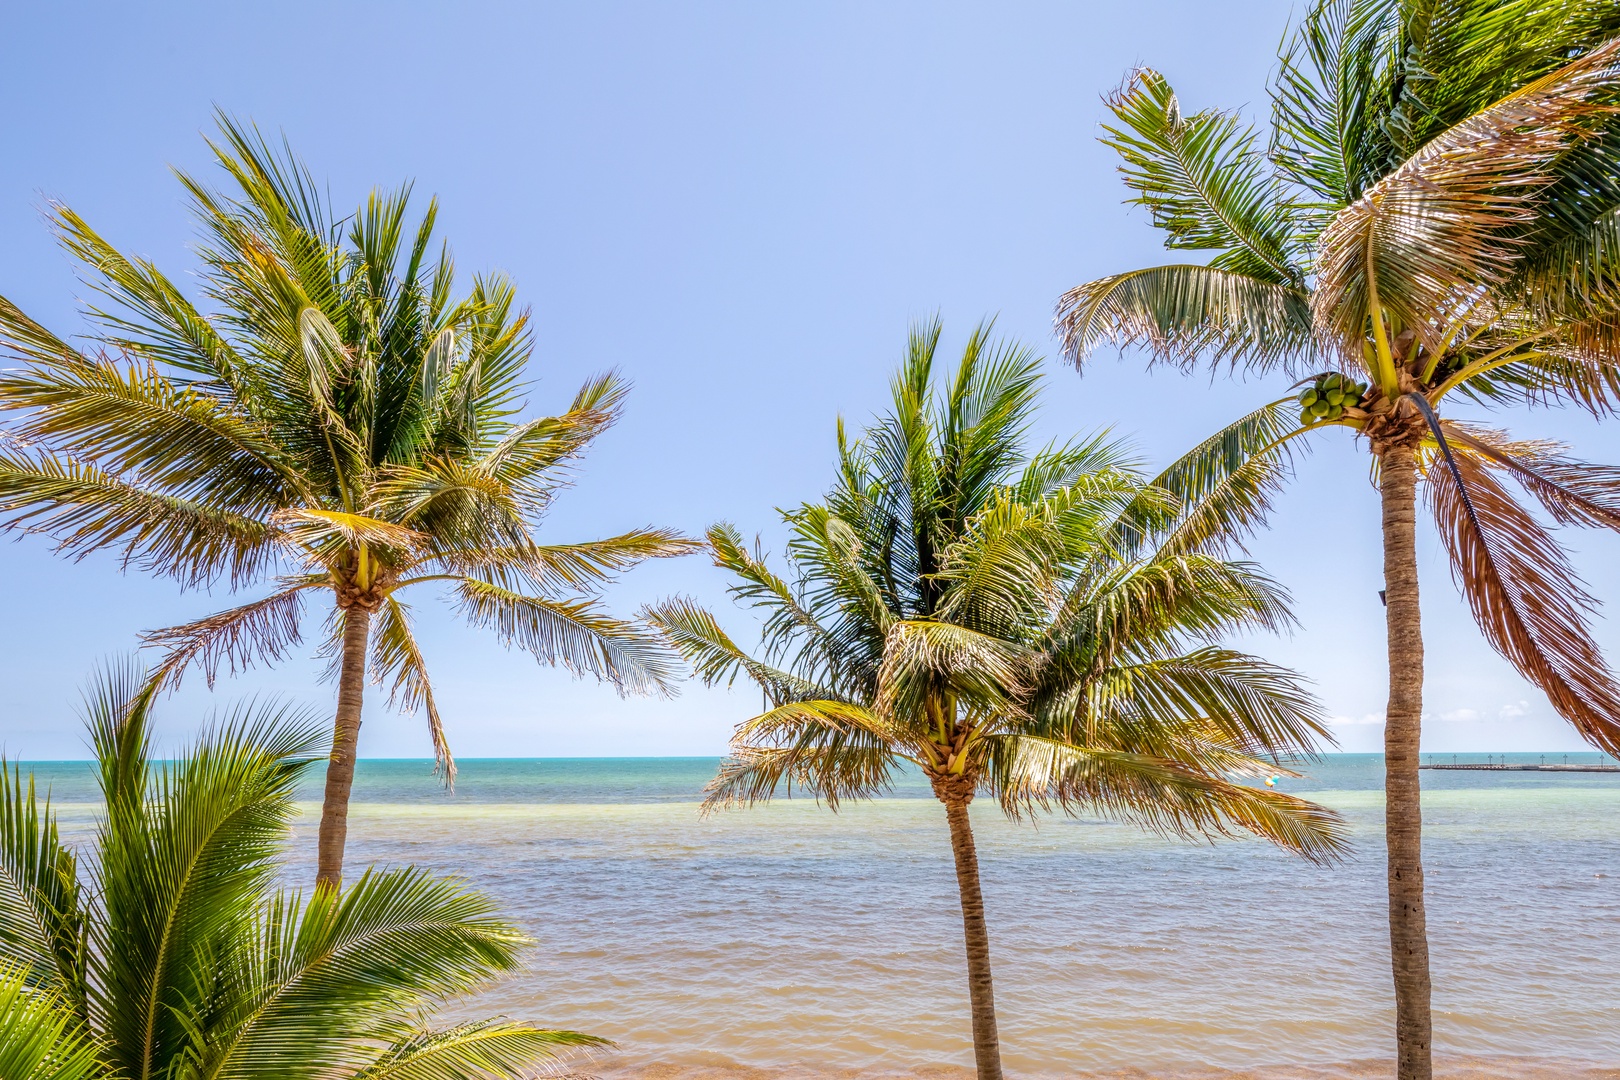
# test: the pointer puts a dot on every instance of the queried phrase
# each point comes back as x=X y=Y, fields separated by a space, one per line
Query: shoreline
x=1446 y=1067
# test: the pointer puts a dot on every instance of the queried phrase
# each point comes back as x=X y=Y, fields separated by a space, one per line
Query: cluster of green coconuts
x=1328 y=397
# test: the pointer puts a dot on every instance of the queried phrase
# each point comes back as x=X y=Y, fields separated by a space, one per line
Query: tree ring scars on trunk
x=345 y=743
x=1403 y=814
x=956 y=792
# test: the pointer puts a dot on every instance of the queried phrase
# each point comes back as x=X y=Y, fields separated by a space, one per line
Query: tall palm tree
x=172 y=952
x=1436 y=216
x=336 y=420
x=1034 y=627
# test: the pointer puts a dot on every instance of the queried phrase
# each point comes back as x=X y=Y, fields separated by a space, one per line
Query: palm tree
x=171 y=951
x=1436 y=216
x=1035 y=627
x=340 y=422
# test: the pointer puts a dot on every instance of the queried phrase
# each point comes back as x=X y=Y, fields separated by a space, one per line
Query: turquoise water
x=798 y=941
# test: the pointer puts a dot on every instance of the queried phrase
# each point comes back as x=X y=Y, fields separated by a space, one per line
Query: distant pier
x=1506 y=766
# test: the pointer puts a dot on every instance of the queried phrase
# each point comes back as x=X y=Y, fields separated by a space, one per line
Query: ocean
x=790 y=941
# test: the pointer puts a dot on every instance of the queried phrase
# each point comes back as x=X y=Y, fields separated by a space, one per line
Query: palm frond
x=1256 y=707
x=324 y=534
x=265 y=629
x=128 y=418
x=1573 y=492
x=27 y=340
x=582 y=567
x=1422 y=244
x=180 y=874
x=84 y=509
x=152 y=318
x=1524 y=594
x=1225 y=485
x=480 y=1050
x=1327 y=99
x=340 y=969
x=1201 y=176
x=1161 y=796
x=695 y=634
x=40 y=1036
x=41 y=910
x=923 y=657
x=1186 y=314
x=832 y=766
x=397 y=663
x=576 y=634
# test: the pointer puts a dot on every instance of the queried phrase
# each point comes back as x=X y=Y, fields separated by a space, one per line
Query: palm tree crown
x=340 y=421
x=1425 y=238
x=171 y=952
x=1034 y=626
x=1435 y=216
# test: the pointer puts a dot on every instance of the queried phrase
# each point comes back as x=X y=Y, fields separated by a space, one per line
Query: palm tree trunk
x=981 y=995
x=1403 y=812
x=345 y=740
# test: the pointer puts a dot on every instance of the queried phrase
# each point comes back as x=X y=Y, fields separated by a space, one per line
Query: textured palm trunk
x=345 y=741
x=1403 y=812
x=981 y=995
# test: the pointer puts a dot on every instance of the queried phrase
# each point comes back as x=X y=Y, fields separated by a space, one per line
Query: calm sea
x=791 y=941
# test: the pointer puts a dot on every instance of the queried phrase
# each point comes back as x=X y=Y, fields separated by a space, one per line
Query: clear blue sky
x=739 y=205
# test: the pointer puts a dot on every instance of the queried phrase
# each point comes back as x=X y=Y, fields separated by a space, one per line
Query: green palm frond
x=1159 y=795
x=27 y=340
x=41 y=909
x=1172 y=598
x=1225 y=486
x=1256 y=707
x=133 y=419
x=326 y=534
x=182 y=873
x=84 y=508
x=1333 y=73
x=695 y=634
x=576 y=634
x=1203 y=179
x=151 y=318
x=923 y=657
x=337 y=970
x=480 y=1050
x=40 y=1036
x=555 y=569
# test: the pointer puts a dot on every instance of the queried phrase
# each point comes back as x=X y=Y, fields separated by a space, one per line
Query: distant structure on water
x=1492 y=765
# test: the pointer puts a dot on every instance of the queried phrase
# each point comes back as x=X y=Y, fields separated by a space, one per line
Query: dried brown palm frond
x=265 y=629
x=1573 y=492
x=1522 y=590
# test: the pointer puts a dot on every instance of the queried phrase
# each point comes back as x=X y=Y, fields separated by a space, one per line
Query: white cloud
x=1348 y=721
x=1465 y=716
x=1514 y=710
